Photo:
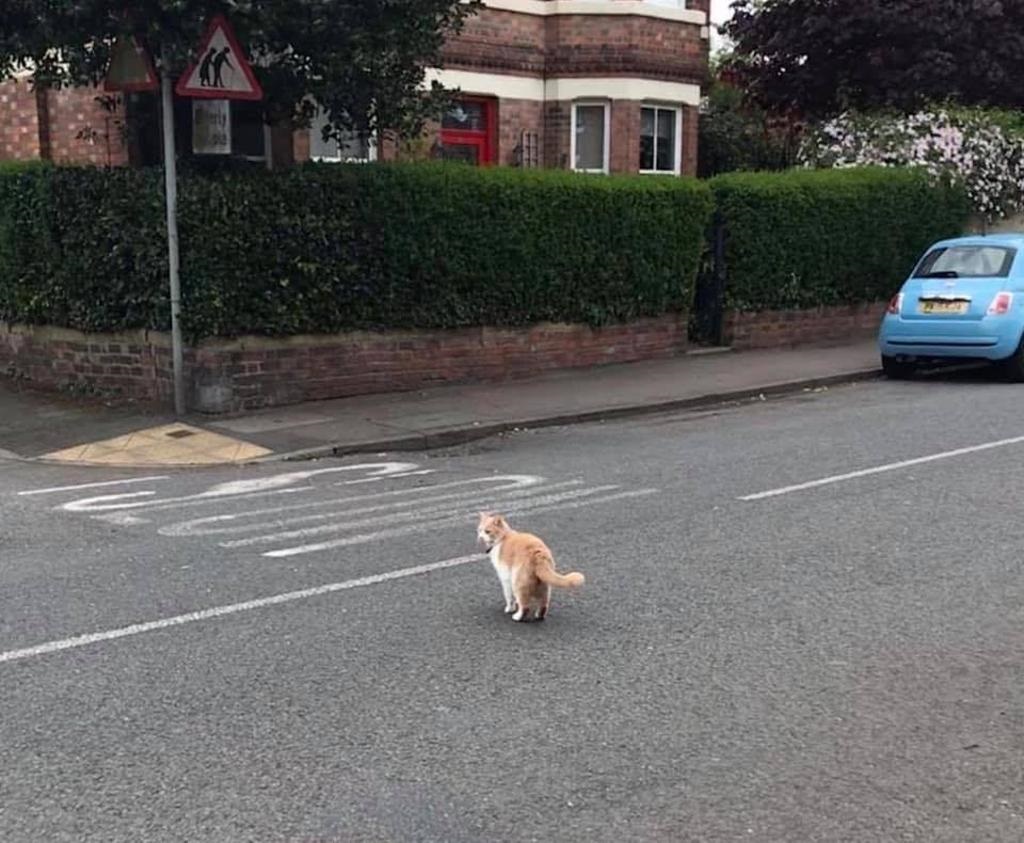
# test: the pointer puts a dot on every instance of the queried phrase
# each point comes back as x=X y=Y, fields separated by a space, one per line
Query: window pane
x=318 y=147
x=666 y=146
x=467 y=116
x=967 y=262
x=646 y=138
x=354 y=147
x=589 y=137
x=464 y=152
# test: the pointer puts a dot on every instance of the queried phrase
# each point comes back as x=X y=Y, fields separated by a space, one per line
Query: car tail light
x=895 y=304
x=1000 y=304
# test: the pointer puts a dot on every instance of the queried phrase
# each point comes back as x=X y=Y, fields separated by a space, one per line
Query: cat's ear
x=499 y=521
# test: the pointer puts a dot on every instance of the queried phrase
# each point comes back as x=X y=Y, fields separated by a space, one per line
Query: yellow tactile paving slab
x=169 y=444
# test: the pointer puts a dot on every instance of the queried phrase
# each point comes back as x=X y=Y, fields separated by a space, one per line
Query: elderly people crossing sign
x=220 y=69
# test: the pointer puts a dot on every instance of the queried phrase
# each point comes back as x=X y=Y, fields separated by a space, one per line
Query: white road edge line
x=230 y=609
x=893 y=466
x=53 y=489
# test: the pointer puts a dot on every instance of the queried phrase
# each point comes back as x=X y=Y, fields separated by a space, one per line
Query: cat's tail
x=547 y=574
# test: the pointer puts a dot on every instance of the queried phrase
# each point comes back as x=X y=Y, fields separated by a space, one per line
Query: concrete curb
x=473 y=433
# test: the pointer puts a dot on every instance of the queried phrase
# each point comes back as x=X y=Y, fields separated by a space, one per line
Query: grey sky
x=720 y=12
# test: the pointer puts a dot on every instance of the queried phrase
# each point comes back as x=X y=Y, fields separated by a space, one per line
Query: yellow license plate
x=943 y=307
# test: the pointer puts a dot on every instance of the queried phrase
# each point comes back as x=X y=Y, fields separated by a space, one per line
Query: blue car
x=963 y=301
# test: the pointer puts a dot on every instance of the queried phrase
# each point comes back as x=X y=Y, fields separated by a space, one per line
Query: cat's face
x=490 y=529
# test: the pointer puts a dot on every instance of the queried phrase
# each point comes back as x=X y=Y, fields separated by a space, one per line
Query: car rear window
x=967 y=262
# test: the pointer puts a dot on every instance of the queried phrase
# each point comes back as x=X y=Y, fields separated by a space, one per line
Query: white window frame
x=606 y=157
x=678 y=158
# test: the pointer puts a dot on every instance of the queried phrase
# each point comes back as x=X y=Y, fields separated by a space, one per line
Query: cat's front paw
x=510 y=608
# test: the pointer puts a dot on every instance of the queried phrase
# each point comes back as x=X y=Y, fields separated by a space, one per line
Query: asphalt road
x=237 y=655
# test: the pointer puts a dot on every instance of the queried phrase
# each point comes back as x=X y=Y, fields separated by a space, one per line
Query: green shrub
x=806 y=238
x=323 y=248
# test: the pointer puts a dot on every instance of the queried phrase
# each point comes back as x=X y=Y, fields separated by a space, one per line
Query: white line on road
x=893 y=466
x=210 y=525
x=424 y=515
x=455 y=520
x=276 y=484
x=230 y=609
x=54 y=489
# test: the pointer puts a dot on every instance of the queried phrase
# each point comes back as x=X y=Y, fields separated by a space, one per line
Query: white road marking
x=230 y=609
x=106 y=503
x=445 y=522
x=893 y=466
x=121 y=519
x=210 y=524
x=423 y=517
x=235 y=489
x=54 y=489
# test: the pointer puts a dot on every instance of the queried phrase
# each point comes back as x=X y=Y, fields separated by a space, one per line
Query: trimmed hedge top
x=804 y=238
x=323 y=248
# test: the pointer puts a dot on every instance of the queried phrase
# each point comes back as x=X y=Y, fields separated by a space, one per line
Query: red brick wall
x=624 y=152
x=691 y=116
x=784 y=328
x=46 y=124
x=135 y=364
x=497 y=41
x=515 y=116
x=624 y=45
x=19 y=122
x=70 y=112
x=257 y=372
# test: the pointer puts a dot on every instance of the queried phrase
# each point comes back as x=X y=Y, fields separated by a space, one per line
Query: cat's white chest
x=495 y=555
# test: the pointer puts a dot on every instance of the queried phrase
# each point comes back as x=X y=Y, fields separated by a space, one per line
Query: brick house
x=591 y=85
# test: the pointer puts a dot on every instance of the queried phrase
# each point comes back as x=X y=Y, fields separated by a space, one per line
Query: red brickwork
x=19 y=121
x=256 y=372
x=135 y=364
x=67 y=126
x=624 y=45
x=624 y=152
x=691 y=115
x=497 y=41
x=784 y=328
x=515 y=117
x=81 y=131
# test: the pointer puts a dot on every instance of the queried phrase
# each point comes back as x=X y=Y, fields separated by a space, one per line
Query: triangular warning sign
x=220 y=70
x=130 y=67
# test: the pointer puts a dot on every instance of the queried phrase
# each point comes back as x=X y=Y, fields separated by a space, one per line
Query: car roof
x=1002 y=239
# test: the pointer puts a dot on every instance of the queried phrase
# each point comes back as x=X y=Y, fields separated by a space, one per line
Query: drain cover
x=180 y=434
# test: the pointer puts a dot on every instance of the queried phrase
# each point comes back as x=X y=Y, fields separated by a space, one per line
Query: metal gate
x=709 y=299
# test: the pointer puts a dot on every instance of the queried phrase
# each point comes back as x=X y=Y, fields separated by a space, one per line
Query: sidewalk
x=55 y=428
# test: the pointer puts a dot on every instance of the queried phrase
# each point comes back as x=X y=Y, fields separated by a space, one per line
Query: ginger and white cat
x=524 y=565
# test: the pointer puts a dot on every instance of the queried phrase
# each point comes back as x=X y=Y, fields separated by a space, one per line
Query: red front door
x=467 y=131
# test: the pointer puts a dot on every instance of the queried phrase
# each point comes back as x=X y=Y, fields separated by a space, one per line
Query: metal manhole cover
x=180 y=434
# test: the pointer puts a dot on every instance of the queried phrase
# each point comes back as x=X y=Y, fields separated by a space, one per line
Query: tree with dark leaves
x=821 y=57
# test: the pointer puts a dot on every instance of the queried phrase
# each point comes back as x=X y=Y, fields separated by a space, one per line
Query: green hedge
x=322 y=248
x=805 y=238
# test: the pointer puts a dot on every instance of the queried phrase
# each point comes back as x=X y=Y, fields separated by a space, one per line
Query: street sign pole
x=171 y=192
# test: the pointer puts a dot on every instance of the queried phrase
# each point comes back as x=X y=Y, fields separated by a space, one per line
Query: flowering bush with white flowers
x=967 y=147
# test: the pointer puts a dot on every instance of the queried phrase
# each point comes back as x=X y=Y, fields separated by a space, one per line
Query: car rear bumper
x=985 y=339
